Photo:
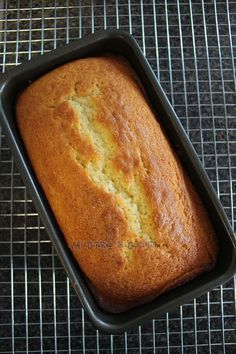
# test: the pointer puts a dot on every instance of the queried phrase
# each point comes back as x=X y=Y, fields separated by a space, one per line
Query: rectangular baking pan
x=121 y=43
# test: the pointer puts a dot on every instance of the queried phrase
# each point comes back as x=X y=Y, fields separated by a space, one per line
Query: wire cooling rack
x=191 y=46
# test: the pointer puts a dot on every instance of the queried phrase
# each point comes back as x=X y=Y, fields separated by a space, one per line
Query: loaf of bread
x=128 y=211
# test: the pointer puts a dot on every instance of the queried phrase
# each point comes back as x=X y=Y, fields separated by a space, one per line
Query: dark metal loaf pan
x=123 y=44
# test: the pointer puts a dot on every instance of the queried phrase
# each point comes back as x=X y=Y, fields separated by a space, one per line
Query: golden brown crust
x=129 y=213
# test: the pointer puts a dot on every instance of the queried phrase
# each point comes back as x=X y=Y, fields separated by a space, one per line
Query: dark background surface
x=191 y=46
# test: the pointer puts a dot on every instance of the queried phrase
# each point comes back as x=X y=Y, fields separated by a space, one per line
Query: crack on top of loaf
x=51 y=106
x=143 y=163
x=129 y=194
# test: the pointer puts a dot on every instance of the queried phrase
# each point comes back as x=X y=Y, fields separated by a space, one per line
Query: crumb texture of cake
x=125 y=205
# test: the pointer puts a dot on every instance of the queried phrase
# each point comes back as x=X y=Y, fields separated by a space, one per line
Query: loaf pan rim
x=109 y=323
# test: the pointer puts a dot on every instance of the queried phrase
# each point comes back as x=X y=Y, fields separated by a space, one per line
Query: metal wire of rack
x=191 y=46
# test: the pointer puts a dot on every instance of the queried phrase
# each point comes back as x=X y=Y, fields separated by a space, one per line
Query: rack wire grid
x=191 y=47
